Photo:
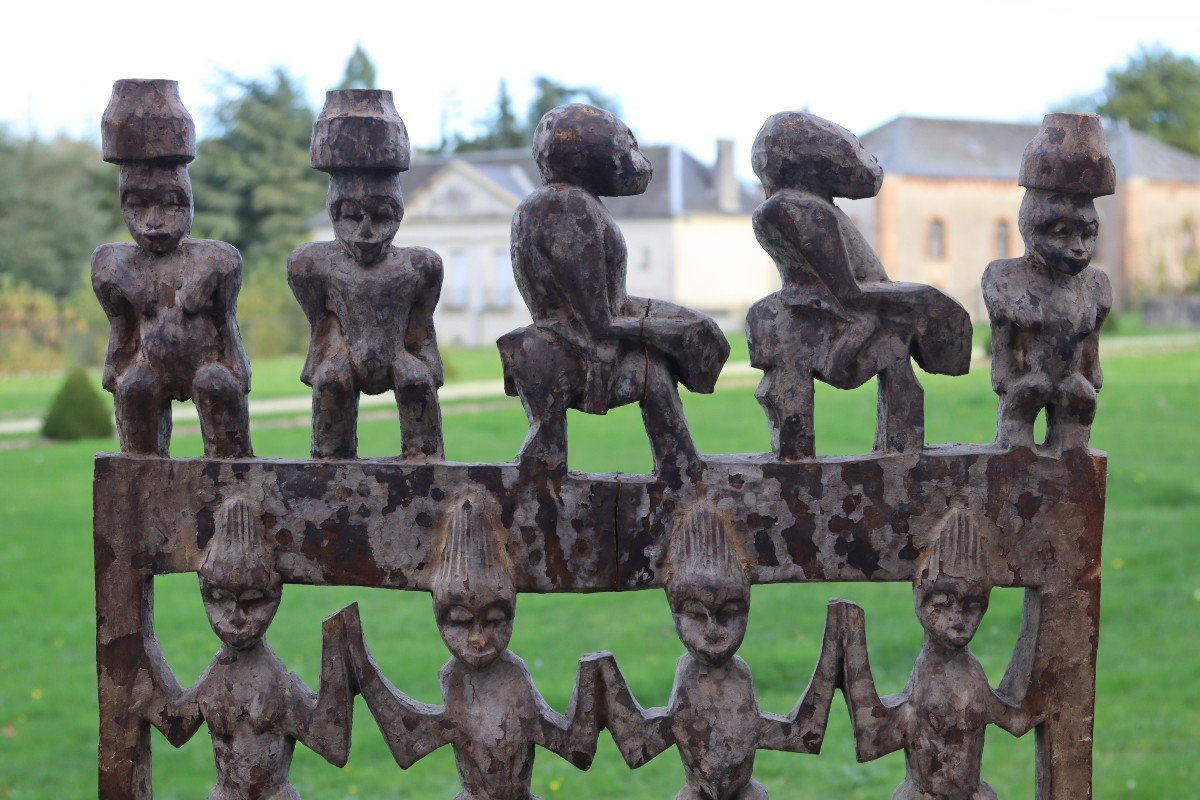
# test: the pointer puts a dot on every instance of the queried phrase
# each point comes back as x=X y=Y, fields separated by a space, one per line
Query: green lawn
x=1149 y=684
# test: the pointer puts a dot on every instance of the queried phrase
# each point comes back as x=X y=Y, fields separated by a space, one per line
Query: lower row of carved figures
x=493 y=714
x=592 y=346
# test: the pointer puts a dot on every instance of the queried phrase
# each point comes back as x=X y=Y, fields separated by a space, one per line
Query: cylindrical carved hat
x=146 y=121
x=1069 y=154
x=359 y=129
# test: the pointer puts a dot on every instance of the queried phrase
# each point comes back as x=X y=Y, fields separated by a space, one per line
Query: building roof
x=957 y=148
x=681 y=183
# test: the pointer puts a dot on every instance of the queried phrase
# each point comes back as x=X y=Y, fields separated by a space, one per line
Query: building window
x=1187 y=240
x=460 y=279
x=937 y=240
x=502 y=280
x=1002 y=236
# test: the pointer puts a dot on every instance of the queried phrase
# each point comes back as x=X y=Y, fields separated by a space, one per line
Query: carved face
x=591 y=148
x=475 y=630
x=366 y=209
x=156 y=203
x=1060 y=230
x=950 y=610
x=710 y=619
x=240 y=614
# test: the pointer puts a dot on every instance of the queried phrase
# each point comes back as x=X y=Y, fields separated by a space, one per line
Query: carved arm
x=573 y=735
x=420 y=338
x=168 y=707
x=639 y=734
x=877 y=721
x=122 y=346
x=323 y=721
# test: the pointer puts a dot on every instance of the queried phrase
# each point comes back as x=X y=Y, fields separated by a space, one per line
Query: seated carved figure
x=171 y=300
x=255 y=709
x=713 y=716
x=838 y=317
x=1047 y=306
x=370 y=304
x=493 y=714
x=592 y=346
x=940 y=717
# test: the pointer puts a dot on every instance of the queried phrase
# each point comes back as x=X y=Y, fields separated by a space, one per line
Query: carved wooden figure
x=255 y=709
x=493 y=714
x=171 y=301
x=713 y=715
x=592 y=346
x=1047 y=306
x=838 y=317
x=370 y=304
x=940 y=717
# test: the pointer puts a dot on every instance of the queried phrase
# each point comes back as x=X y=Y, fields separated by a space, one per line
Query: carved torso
x=715 y=722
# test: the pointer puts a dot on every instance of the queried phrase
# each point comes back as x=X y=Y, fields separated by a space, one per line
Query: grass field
x=1146 y=739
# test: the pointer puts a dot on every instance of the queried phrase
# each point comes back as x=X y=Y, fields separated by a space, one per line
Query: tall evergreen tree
x=550 y=93
x=360 y=71
x=502 y=129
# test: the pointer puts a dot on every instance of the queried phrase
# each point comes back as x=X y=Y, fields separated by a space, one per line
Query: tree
x=360 y=71
x=550 y=94
x=78 y=410
x=500 y=131
x=502 y=128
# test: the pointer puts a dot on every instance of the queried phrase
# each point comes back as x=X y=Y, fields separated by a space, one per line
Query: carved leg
x=224 y=413
x=900 y=413
x=335 y=415
x=786 y=395
x=1020 y=403
x=143 y=413
x=420 y=423
x=1069 y=419
x=662 y=412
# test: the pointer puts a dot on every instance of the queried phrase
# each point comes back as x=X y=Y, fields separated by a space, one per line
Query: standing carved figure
x=592 y=346
x=713 y=715
x=493 y=714
x=171 y=301
x=839 y=317
x=255 y=709
x=940 y=717
x=370 y=304
x=1047 y=306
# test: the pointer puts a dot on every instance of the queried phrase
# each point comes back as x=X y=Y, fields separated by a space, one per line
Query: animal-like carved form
x=370 y=304
x=171 y=301
x=493 y=714
x=838 y=317
x=255 y=709
x=1047 y=306
x=592 y=346
x=713 y=715
x=940 y=717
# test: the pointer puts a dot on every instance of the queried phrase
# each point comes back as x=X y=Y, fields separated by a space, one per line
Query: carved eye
x=219 y=595
x=940 y=599
x=694 y=609
x=458 y=615
x=495 y=615
x=251 y=596
x=730 y=611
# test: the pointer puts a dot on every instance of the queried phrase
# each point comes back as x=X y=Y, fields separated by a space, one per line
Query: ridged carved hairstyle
x=238 y=554
x=473 y=565
x=704 y=553
x=957 y=552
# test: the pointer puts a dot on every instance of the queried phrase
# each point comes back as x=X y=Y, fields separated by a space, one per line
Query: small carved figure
x=370 y=304
x=939 y=718
x=255 y=709
x=171 y=301
x=713 y=715
x=838 y=317
x=1047 y=306
x=592 y=346
x=493 y=714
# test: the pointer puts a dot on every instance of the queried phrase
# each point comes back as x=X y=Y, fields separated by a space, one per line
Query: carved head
x=798 y=150
x=1059 y=230
x=707 y=586
x=474 y=599
x=156 y=203
x=239 y=584
x=366 y=208
x=590 y=148
x=952 y=583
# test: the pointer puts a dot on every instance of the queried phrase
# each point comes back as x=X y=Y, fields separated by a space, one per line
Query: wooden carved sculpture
x=838 y=317
x=255 y=709
x=713 y=715
x=1047 y=306
x=592 y=346
x=939 y=718
x=370 y=304
x=493 y=714
x=171 y=301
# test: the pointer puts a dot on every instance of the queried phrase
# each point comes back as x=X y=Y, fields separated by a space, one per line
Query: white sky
x=687 y=73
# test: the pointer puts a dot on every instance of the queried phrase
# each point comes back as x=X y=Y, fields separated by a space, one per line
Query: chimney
x=728 y=191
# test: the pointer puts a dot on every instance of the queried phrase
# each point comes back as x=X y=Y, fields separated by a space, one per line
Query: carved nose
x=477 y=639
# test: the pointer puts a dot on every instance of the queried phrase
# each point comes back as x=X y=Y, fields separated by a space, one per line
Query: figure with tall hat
x=1048 y=305
x=171 y=300
x=369 y=304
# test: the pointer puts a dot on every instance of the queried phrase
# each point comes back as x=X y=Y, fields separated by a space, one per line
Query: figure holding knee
x=171 y=301
x=592 y=346
x=370 y=304
x=1047 y=307
x=713 y=716
x=940 y=717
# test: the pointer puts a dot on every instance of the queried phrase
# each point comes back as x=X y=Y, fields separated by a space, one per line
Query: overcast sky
x=682 y=72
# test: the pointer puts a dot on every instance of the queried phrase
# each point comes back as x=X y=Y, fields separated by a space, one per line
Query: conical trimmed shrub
x=78 y=411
